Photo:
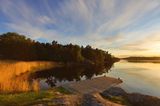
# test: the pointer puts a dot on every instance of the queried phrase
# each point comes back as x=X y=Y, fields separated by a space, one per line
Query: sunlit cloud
x=118 y=26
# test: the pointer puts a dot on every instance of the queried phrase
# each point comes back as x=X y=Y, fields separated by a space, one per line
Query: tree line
x=17 y=47
x=142 y=58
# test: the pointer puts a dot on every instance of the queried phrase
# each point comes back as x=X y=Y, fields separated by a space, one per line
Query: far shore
x=142 y=59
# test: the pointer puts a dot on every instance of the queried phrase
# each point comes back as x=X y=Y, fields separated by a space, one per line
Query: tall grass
x=14 y=76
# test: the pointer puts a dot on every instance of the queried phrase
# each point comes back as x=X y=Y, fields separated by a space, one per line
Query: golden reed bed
x=13 y=79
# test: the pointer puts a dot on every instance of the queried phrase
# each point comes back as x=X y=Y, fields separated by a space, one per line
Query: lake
x=33 y=76
x=19 y=76
x=138 y=77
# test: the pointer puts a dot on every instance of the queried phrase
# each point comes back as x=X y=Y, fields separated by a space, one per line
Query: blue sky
x=123 y=27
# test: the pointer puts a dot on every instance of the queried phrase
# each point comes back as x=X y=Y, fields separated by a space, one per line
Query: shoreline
x=114 y=96
x=135 y=99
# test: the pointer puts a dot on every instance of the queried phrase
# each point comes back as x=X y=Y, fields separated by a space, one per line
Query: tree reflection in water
x=51 y=81
x=69 y=73
x=31 y=76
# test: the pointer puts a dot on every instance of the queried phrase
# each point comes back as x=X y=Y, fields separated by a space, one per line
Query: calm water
x=138 y=77
x=57 y=76
x=33 y=76
x=25 y=76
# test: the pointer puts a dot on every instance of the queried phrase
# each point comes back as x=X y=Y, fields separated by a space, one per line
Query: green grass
x=30 y=98
x=118 y=99
x=25 y=99
x=63 y=90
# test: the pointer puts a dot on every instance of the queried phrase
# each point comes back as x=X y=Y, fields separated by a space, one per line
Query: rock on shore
x=95 y=99
x=134 y=99
x=113 y=96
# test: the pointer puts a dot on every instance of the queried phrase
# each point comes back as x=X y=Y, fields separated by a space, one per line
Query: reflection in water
x=26 y=76
x=60 y=75
x=51 y=81
x=138 y=77
x=14 y=76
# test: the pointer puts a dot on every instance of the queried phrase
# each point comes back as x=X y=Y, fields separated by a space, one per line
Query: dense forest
x=17 y=47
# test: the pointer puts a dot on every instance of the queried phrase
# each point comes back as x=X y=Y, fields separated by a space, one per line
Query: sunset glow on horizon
x=124 y=28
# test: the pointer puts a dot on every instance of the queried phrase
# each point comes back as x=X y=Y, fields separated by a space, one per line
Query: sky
x=122 y=27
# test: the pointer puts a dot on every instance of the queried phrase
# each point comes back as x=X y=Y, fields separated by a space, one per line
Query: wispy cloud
x=24 y=19
x=113 y=24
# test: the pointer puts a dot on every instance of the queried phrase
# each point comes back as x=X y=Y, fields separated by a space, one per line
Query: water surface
x=17 y=76
x=138 y=77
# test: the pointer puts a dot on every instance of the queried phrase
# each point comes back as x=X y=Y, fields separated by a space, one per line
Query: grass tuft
x=63 y=90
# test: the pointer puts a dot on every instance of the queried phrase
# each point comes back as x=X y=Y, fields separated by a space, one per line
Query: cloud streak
x=107 y=24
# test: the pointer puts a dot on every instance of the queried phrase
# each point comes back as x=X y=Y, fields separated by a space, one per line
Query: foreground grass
x=119 y=100
x=25 y=98
x=30 y=98
x=62 y=90
x=48 y=98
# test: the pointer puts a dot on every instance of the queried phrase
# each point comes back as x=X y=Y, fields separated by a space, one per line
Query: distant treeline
x=142 y=58
x=18 y=47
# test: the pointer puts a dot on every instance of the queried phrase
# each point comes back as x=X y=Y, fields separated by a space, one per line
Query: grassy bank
x=31 y=98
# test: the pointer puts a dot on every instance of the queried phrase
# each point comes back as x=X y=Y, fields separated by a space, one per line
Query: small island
x=142 y=59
